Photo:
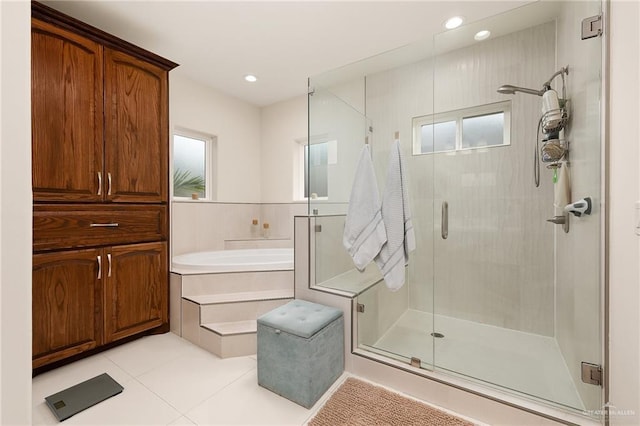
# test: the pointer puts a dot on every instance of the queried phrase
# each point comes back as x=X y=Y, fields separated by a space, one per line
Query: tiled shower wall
x=496 y=267
x=203 y=226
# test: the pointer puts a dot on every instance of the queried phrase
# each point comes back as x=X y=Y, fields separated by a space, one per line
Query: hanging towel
x=396 y=214
x=364 y=232
x=562 y=189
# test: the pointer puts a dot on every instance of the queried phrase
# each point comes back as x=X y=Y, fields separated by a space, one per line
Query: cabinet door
x=136 y=139
x=67 y=300
x=67 y=115
x=136 y=292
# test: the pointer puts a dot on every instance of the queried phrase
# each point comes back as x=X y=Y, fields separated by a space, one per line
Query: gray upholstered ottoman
x=300 y=350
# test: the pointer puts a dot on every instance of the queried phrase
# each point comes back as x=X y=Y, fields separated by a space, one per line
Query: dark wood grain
x=67 y=301
x=100 y=105
x=70 y=226
x=66 y=107
x=136 y=138
x=136 y=292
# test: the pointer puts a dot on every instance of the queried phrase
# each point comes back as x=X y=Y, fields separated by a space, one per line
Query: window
x=470 y=128
x=315 y=159
x=193 y=165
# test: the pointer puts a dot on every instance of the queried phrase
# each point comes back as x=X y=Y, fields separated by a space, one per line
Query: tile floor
x=169 y=381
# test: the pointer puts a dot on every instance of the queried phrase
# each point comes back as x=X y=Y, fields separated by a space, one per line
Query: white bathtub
x=268 y=259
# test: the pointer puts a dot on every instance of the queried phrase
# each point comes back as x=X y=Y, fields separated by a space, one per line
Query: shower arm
x=561 y=72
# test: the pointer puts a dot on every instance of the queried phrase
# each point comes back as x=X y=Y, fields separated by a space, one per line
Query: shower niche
x=503 y=300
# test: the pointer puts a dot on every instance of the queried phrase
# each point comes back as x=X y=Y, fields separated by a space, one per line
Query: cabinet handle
x=99 y=267
x=99 y=183
x=109 y=182
x=445 y=220
x=109 y=268
x=104 y=225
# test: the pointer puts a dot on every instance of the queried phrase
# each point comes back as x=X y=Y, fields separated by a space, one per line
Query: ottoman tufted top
x=300 y=318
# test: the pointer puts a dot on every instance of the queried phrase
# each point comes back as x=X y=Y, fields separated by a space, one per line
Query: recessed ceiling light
x=251 y=78
x=454 y=22
x=482 y=35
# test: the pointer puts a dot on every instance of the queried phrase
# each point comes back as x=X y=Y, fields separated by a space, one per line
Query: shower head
x=508 y=89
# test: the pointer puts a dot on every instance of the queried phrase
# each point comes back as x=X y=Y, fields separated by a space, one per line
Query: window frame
x=458 y=117
x=210 y=157
x=302 y=165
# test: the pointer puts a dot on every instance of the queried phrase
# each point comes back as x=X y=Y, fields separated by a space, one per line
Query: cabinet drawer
x=70 y=226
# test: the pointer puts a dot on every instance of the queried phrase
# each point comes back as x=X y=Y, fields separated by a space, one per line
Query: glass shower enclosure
x=504 y=286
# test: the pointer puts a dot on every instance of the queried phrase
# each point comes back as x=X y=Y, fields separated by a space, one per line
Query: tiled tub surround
x=218 y=310
x=205 y=226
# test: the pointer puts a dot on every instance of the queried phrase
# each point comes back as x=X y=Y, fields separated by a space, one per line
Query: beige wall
x=283 y=124
x=235 y=123
x=15 y=214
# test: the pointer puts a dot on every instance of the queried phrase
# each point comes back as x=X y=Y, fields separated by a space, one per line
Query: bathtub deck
x=212 y=299
x=218 y=311
x=234 y=327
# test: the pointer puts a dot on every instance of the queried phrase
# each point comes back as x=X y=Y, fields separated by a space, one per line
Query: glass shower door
x=512 y=308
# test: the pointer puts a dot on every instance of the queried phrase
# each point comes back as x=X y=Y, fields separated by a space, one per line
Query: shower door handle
x=444 y=226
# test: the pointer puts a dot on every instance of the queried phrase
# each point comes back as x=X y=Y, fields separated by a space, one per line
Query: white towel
x=562 y=189
x=364 y=232
x=396 y=214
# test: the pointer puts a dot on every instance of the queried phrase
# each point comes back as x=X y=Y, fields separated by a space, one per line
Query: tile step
x=232 y=328
x=248 y=296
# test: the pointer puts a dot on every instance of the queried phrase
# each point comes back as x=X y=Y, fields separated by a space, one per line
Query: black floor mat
x=70 y=401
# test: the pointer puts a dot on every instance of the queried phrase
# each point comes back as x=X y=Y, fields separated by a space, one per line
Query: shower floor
x=524 y=362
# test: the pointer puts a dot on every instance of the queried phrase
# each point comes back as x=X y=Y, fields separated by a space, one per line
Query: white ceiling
x=283 y=43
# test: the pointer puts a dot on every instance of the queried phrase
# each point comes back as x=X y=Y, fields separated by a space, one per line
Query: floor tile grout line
x=184 y=414
x=180 y=413
x=136 y=378
x=218 y=392
x=146 y=371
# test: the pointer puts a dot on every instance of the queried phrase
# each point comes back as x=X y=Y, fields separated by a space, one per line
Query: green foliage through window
x=185 y=184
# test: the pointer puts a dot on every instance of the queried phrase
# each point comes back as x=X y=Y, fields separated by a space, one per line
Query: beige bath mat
x=357 y=403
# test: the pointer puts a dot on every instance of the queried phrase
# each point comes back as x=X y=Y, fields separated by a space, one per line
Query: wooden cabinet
x=85 y=298
x=135 y=290
x=67 y=118
x=100 y=145
x=136 y=102
x=72 y=159
x=67 y=304
x=62 y=226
